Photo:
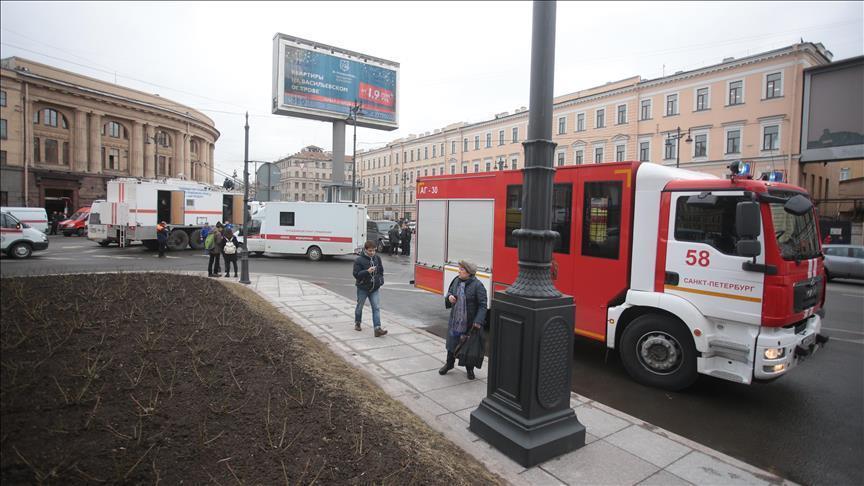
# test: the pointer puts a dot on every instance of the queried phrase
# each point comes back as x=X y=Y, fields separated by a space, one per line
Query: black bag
x=471 y=351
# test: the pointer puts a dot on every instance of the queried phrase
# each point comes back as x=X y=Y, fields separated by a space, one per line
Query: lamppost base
x=244 y=267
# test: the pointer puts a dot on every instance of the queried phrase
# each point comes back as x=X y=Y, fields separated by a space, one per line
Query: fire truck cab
x=682 y=272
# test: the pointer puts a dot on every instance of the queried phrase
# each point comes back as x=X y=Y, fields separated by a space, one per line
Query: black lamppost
x=677 y=138
x=244 y=252
x=526 y=413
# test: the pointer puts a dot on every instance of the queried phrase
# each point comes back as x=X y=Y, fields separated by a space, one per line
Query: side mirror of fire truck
x=748 y=225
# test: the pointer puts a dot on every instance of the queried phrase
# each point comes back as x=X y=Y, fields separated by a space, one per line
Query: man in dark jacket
x=466 y=297
x=162 y=237
x=405 y=238
x=369 y=277
x=393 y=235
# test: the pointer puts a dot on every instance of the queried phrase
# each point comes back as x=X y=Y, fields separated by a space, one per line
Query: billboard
x=321 y=82
x=832 y=126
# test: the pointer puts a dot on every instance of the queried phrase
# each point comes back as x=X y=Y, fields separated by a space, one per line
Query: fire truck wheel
x=314 y=253
x=104 y=243
x=195 y=240
x=178 y=240
x=657 y=350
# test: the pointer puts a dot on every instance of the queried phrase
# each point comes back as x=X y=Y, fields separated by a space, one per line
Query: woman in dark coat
x=466 y=299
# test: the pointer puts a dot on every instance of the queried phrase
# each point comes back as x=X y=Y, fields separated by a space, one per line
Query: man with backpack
x=205 y=232
x=213 y=245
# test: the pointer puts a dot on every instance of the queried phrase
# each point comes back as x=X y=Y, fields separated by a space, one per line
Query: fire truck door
x=237 y=210
x=178 y=208
x=701 y=261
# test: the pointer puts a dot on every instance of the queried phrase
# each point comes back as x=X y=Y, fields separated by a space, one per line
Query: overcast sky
x=459 y=61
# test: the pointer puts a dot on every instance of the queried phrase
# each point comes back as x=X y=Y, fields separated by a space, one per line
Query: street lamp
x=677 y=138
x=244 y=252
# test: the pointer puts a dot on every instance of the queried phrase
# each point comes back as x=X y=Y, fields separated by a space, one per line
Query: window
x=600 y=118
x=773 y=85
x=500 y=137
x=670 y=149
x=579 y=157
x=488 y=166
x=619 y=153
x=644 y=151
x=645 y=109
x=161 y=167
x=771 y=137
x=845 y=173
x=37 y=157
x=513 y=163
x=714 y=226
x=476 y=167
x=426 y=153
x=515 y=135
x=671 y=104
x=51 y=151
x=560 y=159
x=452 y=148
x=433 y=171
x=2 y=98
x=453 y=168
x=465 y=145
x=562 y=125
x=700 y=145
x=49 y=117
x=622 y=114
x=412 y=155
x=702 y=99
x=733 y=141
x=115 y=130
x=162 y=139
x=3 y=134
x=562 y=203
x=442 y=149
x=580 y=122
x=476 y=142
x=488 y=140
x=3 y=158
x=598 y=155
x=601 y=221
x=736 y=92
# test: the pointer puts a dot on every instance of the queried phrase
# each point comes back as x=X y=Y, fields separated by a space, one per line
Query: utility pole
x=244 y=252
x=526 y=413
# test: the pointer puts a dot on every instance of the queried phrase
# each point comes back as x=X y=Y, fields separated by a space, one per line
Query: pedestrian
x=466 y=299
x=405 y=239
x=215 y=251
x=229 y=252
x=55 y=222
x=205 y=232
x=162 y=237
x=228 y=225
x=393 y=236
x=369 y=277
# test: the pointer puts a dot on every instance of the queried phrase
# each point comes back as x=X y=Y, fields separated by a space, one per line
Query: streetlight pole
x=526 y=413
x=677 y=138
x=244 y=252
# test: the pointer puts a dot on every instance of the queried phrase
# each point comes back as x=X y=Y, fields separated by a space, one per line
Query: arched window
x=114 y=130
x=51 y=118
x=163 y=139
x=193 y=146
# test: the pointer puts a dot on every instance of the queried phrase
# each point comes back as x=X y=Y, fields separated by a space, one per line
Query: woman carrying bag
x=466 y=299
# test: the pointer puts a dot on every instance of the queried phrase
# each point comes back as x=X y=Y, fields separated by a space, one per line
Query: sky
x=459 y=61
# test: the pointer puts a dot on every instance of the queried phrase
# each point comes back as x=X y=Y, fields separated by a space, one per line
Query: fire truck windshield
x=796 y=235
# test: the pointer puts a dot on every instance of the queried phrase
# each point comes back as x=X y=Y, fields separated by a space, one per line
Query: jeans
x=374 y=300
x=213 y=264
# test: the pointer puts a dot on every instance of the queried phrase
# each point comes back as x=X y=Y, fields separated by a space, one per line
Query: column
x=79 y=142
x=149 y=150
x=95 y=144
x=203 y=155
x=210 y=162
x=187 y=156
x=177 y=163
x=137 y=161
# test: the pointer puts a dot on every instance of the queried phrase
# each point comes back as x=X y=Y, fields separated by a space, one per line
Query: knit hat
x=468 y=266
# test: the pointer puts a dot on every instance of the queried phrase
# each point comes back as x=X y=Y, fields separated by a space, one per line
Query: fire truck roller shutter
x=237 y=210
x=431 y=216
x=470 y=225
x=178 y=208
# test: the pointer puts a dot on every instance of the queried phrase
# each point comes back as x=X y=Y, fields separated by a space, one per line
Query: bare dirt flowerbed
x=156 y=378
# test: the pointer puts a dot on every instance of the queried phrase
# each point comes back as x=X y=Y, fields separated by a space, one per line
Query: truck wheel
x=314 y=253
x=177 y=240
x=258 y=253
x=20 y=250
x=195 y=240
x=657 y=351
x=104 y=243
x=151 y=245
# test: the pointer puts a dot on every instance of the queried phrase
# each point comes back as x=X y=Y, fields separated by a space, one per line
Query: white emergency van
x=17 y=239
x=36 y=218
x=307 y=228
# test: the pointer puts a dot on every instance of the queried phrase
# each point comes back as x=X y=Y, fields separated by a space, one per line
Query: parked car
x=378 y=231
x=844 y=261
x=36 y=218
x=18 y=239
x=76 y=224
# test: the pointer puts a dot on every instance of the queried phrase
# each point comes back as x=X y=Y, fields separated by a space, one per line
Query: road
x=807 y=426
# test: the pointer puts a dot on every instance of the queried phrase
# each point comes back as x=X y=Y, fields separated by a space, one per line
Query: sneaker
x=380 y=332
x=357 y=327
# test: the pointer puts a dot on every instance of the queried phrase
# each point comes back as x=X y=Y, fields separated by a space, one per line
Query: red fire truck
x=681 y=272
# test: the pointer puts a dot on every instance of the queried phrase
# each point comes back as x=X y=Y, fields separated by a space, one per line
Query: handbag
x=471 y=352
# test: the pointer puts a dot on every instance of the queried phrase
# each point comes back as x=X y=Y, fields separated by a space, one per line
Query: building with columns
x=738 y=109
x=303 y=175
x=64 y=135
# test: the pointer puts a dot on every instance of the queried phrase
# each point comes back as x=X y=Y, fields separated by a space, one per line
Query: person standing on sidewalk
x=369 y=277
x=229 y=252
x=215 y=251
x=393 y=236
x=405 y=238
x=162 y=238
x=205 y=232
x=466 y=299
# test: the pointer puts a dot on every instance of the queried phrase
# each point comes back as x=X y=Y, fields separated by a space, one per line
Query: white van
x=18 y=239
x=307 y=228
x=36 y=218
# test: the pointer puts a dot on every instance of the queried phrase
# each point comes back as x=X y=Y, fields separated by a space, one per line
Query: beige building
x=304 y=174
x=65 y=135
x=740 y=109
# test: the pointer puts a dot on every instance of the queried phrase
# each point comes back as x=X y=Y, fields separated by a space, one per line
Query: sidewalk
x=620 y=449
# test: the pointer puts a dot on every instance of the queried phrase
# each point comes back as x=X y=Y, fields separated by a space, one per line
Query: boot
x=380 y=332
x=470 y=372
x=227 y=274
x=451 y=361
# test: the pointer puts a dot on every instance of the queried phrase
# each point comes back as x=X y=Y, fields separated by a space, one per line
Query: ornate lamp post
x=244 y=253
x=526 y=413
x=677 y=137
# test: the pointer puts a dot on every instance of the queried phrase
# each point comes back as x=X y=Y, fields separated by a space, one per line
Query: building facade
x=740 y=109
x=65 y=135
x=303 y=175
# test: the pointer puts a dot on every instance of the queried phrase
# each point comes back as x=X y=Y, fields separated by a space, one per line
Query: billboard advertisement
x=321 y=82
x=833 y=118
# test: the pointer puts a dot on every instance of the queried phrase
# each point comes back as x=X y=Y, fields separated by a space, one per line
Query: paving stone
x=422 y=406
x=699 y=468
x=459 y=397
x=647 y=445
x=599 y=463
x=449 y=424
x=428 y=347
x=344 y=334
x=414 y=364
x=370 y=343
x=336 y=321
x=413 y=337
x=397 y=388
x=537 y=476
x=431 y=380
x=598 y=422
x=664 y=478
x=495 y=460
x=390 y=353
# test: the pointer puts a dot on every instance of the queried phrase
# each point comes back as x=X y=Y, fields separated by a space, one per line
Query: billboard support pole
x=338 y=175
x=354 y=110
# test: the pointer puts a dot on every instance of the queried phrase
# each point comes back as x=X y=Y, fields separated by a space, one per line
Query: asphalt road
x=807 y=426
